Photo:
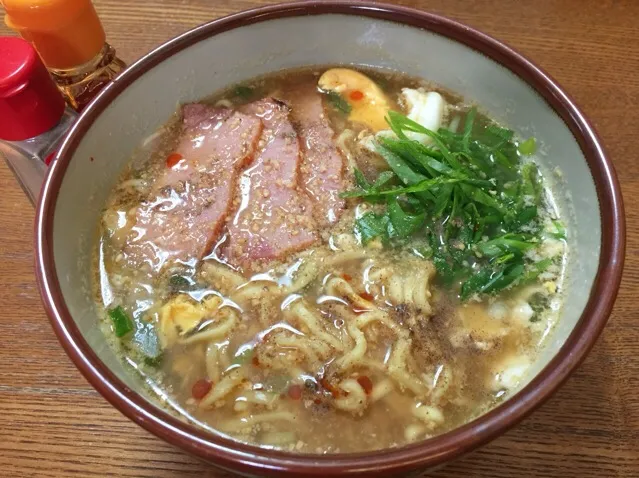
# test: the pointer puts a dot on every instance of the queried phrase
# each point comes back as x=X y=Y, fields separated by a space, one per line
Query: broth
x=258 y=303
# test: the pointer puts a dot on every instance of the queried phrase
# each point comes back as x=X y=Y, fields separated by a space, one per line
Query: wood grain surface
x=53 y=424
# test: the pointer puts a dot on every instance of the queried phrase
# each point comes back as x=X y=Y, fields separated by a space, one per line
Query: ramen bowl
x=246 y=45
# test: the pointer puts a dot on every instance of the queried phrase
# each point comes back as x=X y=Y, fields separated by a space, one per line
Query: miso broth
x=331 y=260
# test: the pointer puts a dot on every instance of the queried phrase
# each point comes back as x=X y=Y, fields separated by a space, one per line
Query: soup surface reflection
x=331 y=260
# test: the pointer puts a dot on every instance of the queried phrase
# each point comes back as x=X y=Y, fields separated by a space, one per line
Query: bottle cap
x=30 y=102
x=66 y=33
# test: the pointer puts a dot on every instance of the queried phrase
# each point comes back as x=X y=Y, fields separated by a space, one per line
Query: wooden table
x=52 y=423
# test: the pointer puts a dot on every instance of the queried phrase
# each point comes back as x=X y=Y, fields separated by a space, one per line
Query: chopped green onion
x=400 y=167
x=337 y=102
x=122 y=323
x=404 y=224
x=560 y=231
x=468 y=127
x=535 y=270
x=361 y=180
x=423 y=186
x=528 y=147
x=383 y=178
x=371 y=226
x=514 y=243
x=469 y=195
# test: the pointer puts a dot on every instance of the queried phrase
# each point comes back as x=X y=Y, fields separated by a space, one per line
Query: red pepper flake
x=366 y=384
x=295 y=392
x=173 y=159
x=333 y=391
x=201 y=388
x=367 y=296
x=317 y=401
x=255 y=361
x=347 y=277
x=356 y=95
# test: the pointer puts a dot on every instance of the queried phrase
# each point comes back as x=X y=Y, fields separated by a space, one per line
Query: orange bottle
x=70 y=39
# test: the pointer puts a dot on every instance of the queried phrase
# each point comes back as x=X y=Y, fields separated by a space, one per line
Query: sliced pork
x=192 y=197
x=322 y=170
x=273 y=216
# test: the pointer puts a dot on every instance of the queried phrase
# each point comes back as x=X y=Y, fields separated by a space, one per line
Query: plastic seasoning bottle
x=33 y=115
x=70 y=39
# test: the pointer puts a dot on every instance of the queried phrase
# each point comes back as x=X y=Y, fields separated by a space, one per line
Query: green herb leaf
x=526 y=215
x=535 y=269
x=491 y=280
x=484 y=198
x=528 y=147
x=423 y=157
x=514 y=243
x=371 y=226
x=469 y=194
x=383 y=178
x=402 y=123
x=444 y=266
x=366 y=187
x=512 y=273
x=401 y=168
x=423 y=186
x=337 y=102
x=361 y=181
x=495 y=136
x=531 y=183
x=442 y=199
x=560 y=231
x=403 y=224
x=121 y=321
x=468 y=127
x=480 y=282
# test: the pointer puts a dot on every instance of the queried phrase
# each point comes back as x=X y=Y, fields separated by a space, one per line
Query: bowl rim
x=244 y=458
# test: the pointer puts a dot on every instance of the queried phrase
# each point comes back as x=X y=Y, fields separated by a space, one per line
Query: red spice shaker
x=33 y=114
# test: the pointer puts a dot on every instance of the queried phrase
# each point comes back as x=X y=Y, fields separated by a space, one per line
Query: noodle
x=308 y=318
x=354 y=400
x=213 y=369
x=218 y=332
x=232 y=380
x=356 y=354
x=248 y=422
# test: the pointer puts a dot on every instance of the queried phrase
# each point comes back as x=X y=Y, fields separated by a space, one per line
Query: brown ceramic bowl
x=247 y=44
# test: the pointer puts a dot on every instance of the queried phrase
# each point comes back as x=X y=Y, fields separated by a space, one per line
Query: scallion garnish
x=337 y=102
x=122 y=323
x=470 y=198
